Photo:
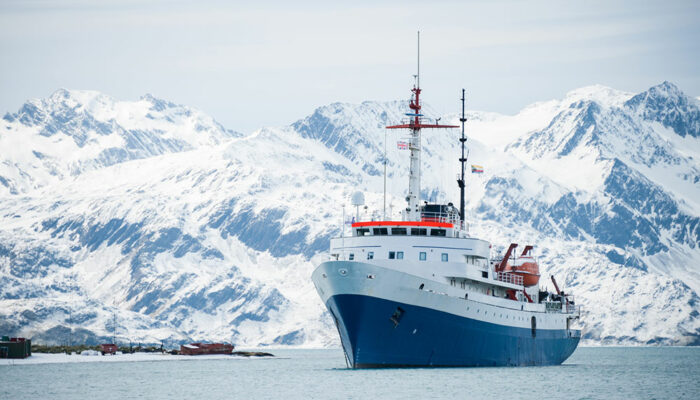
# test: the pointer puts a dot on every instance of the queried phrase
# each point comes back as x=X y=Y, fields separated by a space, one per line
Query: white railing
x=570 y=306
x=449 y=218
x=573 y=309
x=507 y=277
x=439 y=217
x=565 y=305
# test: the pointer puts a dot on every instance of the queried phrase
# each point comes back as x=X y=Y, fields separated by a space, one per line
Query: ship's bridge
x=405 y=228
x=437 y=220
x=439 y=236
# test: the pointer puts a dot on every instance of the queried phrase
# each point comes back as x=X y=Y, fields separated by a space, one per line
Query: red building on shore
x=194 y=349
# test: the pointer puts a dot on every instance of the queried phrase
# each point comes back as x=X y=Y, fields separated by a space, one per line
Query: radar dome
x=358 y=199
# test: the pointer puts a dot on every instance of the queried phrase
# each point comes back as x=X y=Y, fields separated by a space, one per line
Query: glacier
x=150 y=221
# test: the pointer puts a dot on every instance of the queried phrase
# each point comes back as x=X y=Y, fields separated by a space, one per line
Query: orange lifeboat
x=527 y=267
x=524 y=266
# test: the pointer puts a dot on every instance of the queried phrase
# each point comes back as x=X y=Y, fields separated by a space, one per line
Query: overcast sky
x=270 y=63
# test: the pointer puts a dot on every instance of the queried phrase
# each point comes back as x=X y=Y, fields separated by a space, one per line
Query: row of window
x=401 y=232
x=398 y=255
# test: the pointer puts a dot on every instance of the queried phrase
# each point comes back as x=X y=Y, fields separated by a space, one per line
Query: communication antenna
x=462 y=160
x=418 y=63
x=384 y=212
x=414 y=125
x=342 y=223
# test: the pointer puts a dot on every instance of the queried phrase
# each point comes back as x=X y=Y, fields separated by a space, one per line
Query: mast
x=415 y=124
x=384 y=210
x=415 y=148
x=462 y=160
x=418 y=62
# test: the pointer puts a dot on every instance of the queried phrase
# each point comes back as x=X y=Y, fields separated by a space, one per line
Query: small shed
x=15 y=347
x=108 y=348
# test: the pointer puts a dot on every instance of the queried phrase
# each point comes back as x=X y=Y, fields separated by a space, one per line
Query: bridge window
x=380 y=231
x=444 y=257
x=484 y=274
x=422 y=256
x=398 y=231
x=419 y=231
x=392 y=255
x=351 y=257
x=362 y=231
x=399 y=255
x=437 y=232
x=370 y=255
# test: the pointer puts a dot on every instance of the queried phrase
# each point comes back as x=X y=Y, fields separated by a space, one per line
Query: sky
x=256 y=64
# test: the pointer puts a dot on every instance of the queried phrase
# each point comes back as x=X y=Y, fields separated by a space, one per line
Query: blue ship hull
x=374 y=334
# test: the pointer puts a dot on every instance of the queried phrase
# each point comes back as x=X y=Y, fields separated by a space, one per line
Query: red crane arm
x=503 y=263
x=554 y=281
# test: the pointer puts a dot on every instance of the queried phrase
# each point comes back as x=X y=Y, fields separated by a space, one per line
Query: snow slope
x=152 y=215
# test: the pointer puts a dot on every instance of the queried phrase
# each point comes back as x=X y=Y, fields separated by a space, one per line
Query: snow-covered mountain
x=51 y=140
x=153 y=215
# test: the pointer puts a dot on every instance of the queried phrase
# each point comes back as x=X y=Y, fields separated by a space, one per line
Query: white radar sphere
x=358 y=199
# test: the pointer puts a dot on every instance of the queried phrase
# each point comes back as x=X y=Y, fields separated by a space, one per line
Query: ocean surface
x=591 y=373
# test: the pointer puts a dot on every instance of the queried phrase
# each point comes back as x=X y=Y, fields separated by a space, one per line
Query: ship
x=420 y=291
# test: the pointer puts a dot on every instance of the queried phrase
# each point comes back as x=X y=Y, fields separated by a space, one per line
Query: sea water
x=591 y=373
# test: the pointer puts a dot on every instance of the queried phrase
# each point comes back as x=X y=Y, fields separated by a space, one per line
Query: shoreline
x=62 y=358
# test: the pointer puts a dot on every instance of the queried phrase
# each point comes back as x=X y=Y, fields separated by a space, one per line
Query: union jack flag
x=402 y=145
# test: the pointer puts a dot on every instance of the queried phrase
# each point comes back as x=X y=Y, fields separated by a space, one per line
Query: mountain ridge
x=217 y=239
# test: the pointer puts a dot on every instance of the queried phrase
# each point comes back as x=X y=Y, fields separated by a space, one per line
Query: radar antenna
x=462 y=160
x=415 y=124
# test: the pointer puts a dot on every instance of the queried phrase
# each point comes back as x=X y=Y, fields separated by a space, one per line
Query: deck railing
x=507 y=277
x=439 y=217
x=566 y=306
x=571 y=307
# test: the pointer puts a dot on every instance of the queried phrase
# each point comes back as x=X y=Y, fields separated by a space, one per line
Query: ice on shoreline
x=46 y=358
